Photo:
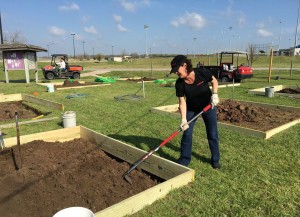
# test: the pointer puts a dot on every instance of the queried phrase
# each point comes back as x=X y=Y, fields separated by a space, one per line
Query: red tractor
x=52 y=71
x=230 y=67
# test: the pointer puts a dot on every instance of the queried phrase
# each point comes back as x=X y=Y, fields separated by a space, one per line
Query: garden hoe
x=139 y=161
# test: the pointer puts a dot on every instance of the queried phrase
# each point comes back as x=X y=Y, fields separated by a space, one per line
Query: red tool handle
x=169 y=138
x=206 y=108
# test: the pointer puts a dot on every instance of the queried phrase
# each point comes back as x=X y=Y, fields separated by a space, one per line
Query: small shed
x=20 y=57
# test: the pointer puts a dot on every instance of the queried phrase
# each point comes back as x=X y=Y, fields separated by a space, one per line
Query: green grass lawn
x=258 y=177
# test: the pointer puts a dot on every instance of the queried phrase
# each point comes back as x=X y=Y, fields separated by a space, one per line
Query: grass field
x=258 y=177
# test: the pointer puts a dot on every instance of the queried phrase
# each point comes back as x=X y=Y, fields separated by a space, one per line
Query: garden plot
x=80 y=167
x=280 y=90
x=73 y=85
x=228 y=84
x=137 y=79
x=252 y=118
x=13 y=103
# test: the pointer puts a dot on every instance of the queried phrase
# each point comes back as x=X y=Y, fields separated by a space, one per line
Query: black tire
x=49 y=75
x=225 y=79
x=76 y=76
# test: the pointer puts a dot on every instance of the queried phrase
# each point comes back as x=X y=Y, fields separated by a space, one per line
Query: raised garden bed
x=280 y=90
x=73 y=85
x=137 y=79
x=9 y=104
x=256 y=119
x=80 y=167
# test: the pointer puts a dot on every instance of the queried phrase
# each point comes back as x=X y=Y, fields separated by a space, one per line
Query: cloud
x=121 y=28
x=132 y=7
x=193 y=20
x=91 y=29
x=128 y=6
x=69 y=7
x=264 y=33
x=56 y=31
x=85 y=19
x=241 y=21
x=117 y=18
x=146 y=2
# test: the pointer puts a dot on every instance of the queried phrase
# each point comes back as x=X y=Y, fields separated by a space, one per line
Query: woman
x=193 y=92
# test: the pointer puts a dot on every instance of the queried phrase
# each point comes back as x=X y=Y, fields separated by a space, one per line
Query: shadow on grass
x=152 y=143
x=17 y=81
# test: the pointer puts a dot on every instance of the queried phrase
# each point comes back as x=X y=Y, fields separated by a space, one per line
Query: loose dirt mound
x=251 y=116
x=59 y=175
x=290 y=90
x=8 y=110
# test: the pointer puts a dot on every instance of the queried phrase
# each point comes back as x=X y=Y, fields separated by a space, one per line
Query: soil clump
x=57 y=175
x=290 y=90
x=252 y=116
x=8 y=110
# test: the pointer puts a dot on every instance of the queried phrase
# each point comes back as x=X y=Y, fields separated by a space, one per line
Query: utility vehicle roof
x=234 y=52
x=59 y=55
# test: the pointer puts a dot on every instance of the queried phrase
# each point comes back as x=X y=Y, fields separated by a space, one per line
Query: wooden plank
x=78 y=87
x=27 y=122
x=229 y=85
x=61 y=135
x=43 y=102
x=11 y=97
x=156 y=165
x=276 y=130
x=244 y=130
x=139 y=201
x=181 y=175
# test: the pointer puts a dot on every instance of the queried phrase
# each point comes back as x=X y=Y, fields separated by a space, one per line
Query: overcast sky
x=156 y=26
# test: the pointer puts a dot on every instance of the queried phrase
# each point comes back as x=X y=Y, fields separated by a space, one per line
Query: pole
x=48 y=49
x=83 y=49
x=270 y=66
x=146 y=27
x=278 y=52
x=295 y=42
x=194 y=46
x=73 y=45
x=1 y=35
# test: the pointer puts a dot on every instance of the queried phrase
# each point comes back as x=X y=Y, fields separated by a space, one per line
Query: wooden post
x=26 y=65
x=270 y=66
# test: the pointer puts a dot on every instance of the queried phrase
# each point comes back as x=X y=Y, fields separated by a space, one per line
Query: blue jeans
x=210 y=120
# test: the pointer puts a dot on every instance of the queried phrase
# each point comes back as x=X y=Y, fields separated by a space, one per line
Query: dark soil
x=69 y=83
x=8 y=110
x=290 y=90
x=252 y=116
x=56 y=175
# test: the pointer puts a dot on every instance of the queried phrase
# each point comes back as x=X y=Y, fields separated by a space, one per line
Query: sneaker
x=216 y=165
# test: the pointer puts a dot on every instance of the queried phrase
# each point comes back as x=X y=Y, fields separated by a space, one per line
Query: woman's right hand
x=184 y=125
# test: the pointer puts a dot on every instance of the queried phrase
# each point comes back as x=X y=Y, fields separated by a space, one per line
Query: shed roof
x=28 y=47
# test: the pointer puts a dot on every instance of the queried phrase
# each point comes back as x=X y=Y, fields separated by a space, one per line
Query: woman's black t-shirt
x=198 y=94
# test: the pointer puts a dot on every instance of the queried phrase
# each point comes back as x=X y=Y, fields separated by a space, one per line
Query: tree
x=14 y=38
x=252 y=54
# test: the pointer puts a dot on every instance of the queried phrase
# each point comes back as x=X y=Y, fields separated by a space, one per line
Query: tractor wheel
x=76 y=76
x=225 y=79
x=49 y=75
